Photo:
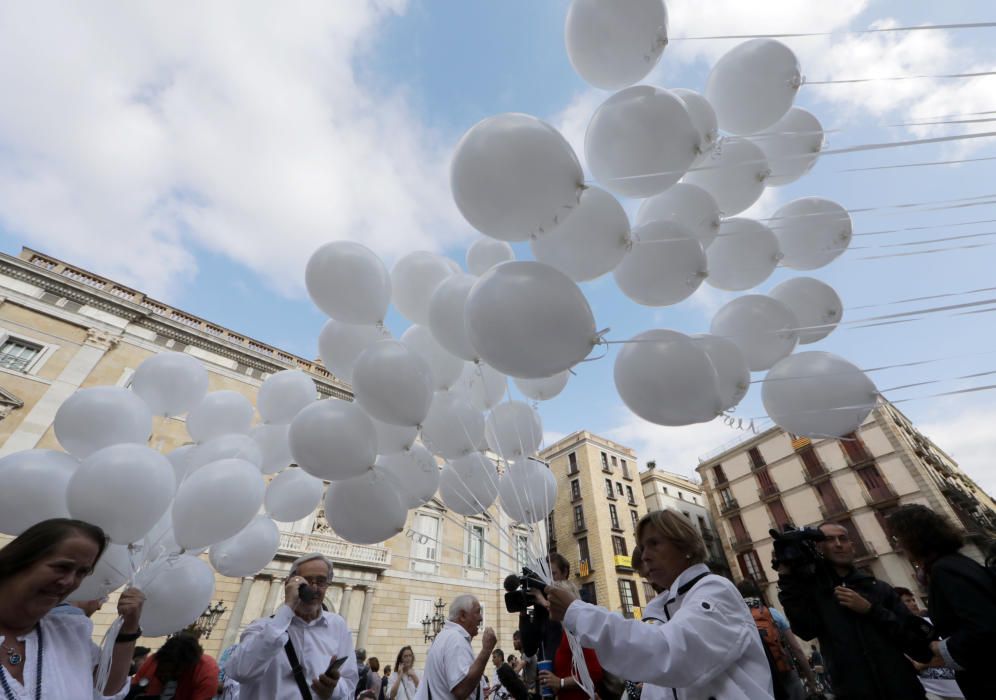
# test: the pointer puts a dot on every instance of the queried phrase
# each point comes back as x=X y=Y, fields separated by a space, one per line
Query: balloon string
x=925 y=228
x=898 y=365
x=877 y=30
x=924 y=298
x=941 y=76
x=921 y=164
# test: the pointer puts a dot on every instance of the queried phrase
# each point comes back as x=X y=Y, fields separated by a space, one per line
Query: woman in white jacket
x=701 y=641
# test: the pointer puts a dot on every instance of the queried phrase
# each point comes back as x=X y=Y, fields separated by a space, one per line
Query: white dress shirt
x=259 y=663
x=701 y=642
x=69 y=656
x=448 y=662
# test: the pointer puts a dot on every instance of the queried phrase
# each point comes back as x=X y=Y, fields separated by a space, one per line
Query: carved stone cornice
x=97 y=338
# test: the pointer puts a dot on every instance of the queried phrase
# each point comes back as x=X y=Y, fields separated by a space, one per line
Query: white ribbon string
x=878 y=30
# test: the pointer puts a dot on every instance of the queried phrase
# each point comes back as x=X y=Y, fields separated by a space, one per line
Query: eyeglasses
x=317 y=581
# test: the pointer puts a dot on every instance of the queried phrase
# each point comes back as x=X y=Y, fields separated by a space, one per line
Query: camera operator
x=864 y=629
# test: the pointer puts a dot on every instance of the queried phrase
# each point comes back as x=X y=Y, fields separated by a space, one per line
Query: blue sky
x=202 y=155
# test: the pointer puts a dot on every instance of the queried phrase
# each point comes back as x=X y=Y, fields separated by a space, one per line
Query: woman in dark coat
x=962 y=596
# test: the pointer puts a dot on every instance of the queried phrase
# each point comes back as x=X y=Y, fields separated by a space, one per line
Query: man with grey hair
x=301 y=651
x=452 y=672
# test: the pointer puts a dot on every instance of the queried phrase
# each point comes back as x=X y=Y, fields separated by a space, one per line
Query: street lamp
x=435 y=623
x=208 y=619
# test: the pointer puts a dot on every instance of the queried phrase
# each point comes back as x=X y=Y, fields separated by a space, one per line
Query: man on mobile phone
x=302 y=651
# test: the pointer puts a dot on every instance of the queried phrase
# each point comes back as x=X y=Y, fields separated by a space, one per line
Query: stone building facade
x=599 y=502
x=63 y=328
x=775 y=479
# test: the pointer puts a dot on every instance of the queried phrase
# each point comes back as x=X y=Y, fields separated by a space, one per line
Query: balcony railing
x=766 y=491
x=740 y=544
x=813 y=478
x=708 y=535
x=882 y=495
x=335 y=549
x=831 y=509
x=729 y=506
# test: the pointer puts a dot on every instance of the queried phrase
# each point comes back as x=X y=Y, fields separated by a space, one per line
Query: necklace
x=38 y=670
x=13 y=657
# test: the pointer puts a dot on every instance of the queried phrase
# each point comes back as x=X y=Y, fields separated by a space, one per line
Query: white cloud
x=965 y=431
x=133 y=134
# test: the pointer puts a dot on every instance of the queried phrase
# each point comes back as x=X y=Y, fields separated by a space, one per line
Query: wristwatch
x=124 y=638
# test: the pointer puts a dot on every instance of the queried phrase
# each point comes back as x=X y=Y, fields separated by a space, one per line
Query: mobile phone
x=335 y=665
x=305 y=593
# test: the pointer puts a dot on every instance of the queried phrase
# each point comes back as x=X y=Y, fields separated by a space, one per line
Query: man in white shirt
x=262 y=661
x=452 y=672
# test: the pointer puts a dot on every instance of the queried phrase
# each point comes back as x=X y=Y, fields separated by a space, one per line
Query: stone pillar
x=347 y=592
x=235 y=619
x=368 y=598
x=274 y=596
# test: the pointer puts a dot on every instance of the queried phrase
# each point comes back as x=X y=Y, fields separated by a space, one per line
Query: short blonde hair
x=678 y=529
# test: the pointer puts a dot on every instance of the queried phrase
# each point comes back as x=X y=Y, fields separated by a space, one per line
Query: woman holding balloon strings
x=52 y=656
x=700 y=641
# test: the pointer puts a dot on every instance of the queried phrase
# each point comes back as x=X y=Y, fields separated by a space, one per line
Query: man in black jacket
x=864 y=629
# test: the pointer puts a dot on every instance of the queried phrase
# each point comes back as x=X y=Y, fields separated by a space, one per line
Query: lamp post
x=208 y=619
x=431 y=626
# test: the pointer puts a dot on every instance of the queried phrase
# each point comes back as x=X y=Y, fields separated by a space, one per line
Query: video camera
x=518 y=596
x=796 y=549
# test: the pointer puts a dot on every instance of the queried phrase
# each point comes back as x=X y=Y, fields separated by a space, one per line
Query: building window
x=522 y=557
x=614 y=462
x=681 y=496
x=811 y=460
x=425 y=543
x=756 y=460
x=608 y=489
x=17 y=354
x=628 y=596
x=779 y=515
x=583 y=554
x=664 y=489
x=625 y=469
x=475 y=546
x=579 y=518
x=635 y=517
x=687 y=516
x=629 y=495
x=695 y=500
x=719 y=475
x=619 y=489
x=605 y=463
x=588 y=594
x=750 y=566
x=418 y=610
x=648 y=591
x=572 y=463
x=619 y=546
x=575 y=490
x=854 y=449
x=728 y=500
x=739 y=530
x=614 y=516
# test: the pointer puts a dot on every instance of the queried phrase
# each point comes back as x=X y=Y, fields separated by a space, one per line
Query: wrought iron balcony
x=729 y=506
x=832 y=508
x=740 y=544
x=881 y=496
x=767 y=492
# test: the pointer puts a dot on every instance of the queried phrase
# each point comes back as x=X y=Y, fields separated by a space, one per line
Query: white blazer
x=701 y=642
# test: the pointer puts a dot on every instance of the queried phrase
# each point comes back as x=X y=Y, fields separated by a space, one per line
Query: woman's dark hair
x=374 y=663
x=560 y=561
x=397 y=660
x=924 y=534
x=41 y=539
x=179 y=654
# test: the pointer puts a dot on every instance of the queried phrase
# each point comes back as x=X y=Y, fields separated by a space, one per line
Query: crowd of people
x=700 y=637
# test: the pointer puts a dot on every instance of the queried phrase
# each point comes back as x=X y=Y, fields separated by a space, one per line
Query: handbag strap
x=302 y=683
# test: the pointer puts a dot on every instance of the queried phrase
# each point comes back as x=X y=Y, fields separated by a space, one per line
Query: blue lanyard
x=38 y=679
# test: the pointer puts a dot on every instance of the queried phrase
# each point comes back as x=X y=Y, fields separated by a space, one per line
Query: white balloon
x=665 y=265
x=220 y=413
x=170 y=383
x=293 y=494
x=485 y=253
x=527 y=491
x=101 y=416
x=734 y=174
x=445 y=367
x=349 y=282
x=529 y=320
x=791 y=146
x=180 y=459
x=447 y=316
x=197 y=519
x=483 y=385
x=469 y=485
x=415 y=473
x=545 y=388
x=815 y=305
x=392 y=439
x=591 y=242
x=811 y=232
x=666 y=378
x=340 y=344
x=453 y=427
x=703 y=118
x=366 y=509
x=731 y=368
x=284 y=394
x=113 y=568
x=763 y=327
x=818 y=394
x=414 y=278
x=514 y=175
x=35 y=483
x=689 y=205
x=249 y=551
x=612 y=44
x=160 y=541
x=123 y=489
x=274 y=447
x=743 y=255
x=233 y=445
x=175 y=594
x=753 y=85
x=514 y=429
x=333 y=440
x=640 y=141
x=393 y=383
